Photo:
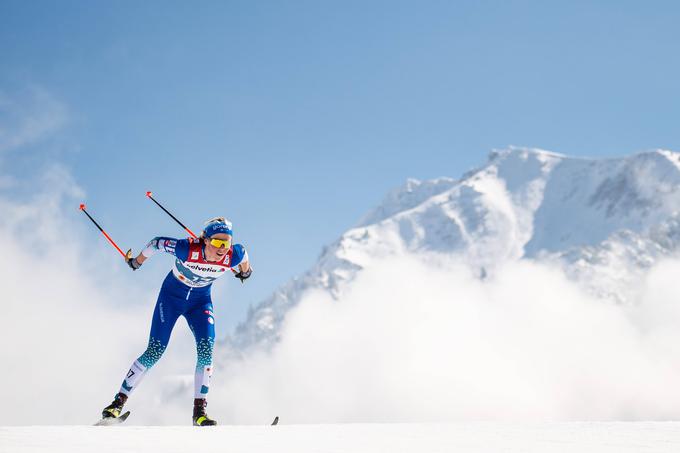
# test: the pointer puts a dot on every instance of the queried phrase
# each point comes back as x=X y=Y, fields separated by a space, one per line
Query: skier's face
x=213 y=253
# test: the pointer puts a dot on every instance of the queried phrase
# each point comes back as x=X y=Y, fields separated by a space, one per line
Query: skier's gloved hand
x=244 y=275
x=133 y=263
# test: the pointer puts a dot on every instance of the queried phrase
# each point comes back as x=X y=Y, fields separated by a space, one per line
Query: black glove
x=244 y=275
x=133 y=263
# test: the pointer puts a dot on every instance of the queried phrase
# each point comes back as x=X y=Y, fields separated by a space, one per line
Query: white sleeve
x=151 y=248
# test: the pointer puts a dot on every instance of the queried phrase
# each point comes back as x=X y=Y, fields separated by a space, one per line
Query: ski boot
x=200 y=416
x=114 y=409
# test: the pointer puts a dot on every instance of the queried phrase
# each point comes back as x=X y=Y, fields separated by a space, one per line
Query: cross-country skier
x=186 y=292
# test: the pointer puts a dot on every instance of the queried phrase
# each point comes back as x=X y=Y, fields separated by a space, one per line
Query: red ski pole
x=129 y=253
x=150 y=195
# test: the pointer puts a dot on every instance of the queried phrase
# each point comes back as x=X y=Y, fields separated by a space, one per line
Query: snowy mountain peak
x=525 y=203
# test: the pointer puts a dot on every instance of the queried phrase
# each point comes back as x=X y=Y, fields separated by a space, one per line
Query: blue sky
x=295 y=118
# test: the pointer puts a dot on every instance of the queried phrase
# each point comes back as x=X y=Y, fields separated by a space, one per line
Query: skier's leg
x=164 y=317
x=202 y=324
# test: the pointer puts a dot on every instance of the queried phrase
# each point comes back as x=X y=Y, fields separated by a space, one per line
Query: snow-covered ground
x=486 y=437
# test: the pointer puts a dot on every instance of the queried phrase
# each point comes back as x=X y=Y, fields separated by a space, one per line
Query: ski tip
x=82 y=206
x=149 y=193
x=276 y=421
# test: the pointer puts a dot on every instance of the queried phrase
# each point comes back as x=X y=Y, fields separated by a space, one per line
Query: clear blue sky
x=294 y=118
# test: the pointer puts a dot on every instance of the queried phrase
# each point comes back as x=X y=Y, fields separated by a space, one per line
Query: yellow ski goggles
x=220 y=242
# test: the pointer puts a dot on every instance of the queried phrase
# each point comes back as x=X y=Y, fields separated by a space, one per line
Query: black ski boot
x=200 y=416
x=114 y=409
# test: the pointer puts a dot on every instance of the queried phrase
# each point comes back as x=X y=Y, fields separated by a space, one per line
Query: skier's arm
x=240 y=257
x=140 y=258
x=176 y=247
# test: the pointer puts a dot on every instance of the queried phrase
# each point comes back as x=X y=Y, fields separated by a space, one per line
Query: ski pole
x=150 y=195
x=129 y=253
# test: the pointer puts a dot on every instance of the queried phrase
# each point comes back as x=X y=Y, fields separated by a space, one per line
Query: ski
x=111 y=421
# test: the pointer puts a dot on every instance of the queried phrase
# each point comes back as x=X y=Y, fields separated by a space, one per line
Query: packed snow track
x=581 y=437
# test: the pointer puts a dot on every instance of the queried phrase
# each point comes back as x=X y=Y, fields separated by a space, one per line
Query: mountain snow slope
x=604 y=221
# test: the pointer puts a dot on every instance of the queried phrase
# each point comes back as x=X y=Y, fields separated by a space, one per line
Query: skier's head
x=217 y=225
x=217 y=237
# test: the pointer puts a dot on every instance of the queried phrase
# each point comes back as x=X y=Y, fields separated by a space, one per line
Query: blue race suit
x=185 y=292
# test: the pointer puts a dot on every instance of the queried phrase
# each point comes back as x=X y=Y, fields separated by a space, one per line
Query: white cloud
x=412 y=341
x=59 y=322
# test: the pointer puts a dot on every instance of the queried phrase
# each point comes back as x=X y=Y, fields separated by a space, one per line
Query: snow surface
x=617 y=437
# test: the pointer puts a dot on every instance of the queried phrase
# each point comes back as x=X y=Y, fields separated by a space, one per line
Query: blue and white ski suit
x=185 y=292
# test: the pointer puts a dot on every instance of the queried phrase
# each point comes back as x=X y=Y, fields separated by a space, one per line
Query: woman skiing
x=186 y=292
